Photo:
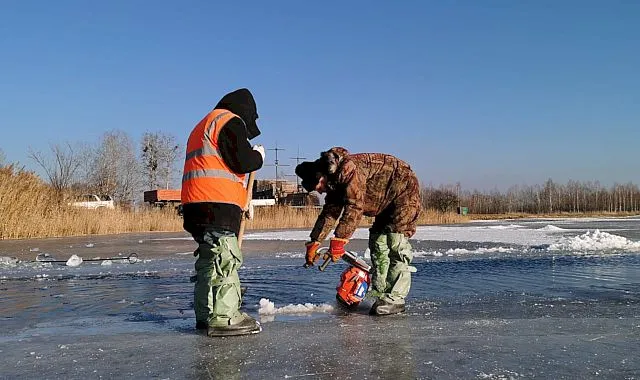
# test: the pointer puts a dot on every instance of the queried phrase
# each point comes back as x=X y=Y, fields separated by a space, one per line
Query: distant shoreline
x=111 y=222
x=553 y=215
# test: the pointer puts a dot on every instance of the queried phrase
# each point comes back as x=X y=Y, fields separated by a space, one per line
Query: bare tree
x=60 y=166
x=114 y=169
x=3 y=158
x=159 y=157
x=441 y=199
x=574 y=196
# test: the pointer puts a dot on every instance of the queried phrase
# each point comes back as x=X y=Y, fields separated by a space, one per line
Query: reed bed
x=31 y=209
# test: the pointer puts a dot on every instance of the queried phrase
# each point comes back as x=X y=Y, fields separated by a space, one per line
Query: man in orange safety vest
x=214 y=195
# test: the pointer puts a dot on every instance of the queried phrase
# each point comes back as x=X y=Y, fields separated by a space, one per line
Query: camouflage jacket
x=367 y=184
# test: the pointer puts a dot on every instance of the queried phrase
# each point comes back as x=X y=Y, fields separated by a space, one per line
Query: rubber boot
x=383 y=306
x=203 y=325
x=244 y=326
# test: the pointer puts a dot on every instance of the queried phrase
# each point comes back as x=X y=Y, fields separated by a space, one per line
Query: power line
x=298 y=158
x=276 y=162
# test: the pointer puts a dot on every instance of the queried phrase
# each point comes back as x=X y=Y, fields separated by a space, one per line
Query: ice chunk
x=74 y=261
x=595 y=241
x=6 y=261
x=268 y=308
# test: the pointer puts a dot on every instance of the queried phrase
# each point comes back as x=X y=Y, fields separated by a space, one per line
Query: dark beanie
x=308 y=172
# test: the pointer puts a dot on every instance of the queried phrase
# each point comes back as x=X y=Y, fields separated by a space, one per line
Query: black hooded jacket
x=240 y=157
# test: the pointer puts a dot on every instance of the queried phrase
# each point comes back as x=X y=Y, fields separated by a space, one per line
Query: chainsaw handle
x=319 y=253
x=326 y=262
x=328 y=259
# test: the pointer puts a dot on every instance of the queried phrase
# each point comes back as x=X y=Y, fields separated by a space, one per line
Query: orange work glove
x=336 y=248
x=312 y=254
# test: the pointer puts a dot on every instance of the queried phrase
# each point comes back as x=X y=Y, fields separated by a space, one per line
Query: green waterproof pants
x=390 y=270
x=217 y=296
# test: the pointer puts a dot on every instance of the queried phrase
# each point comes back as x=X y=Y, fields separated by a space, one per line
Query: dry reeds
x=274 y=217
x=31 y=209
x=288 y=217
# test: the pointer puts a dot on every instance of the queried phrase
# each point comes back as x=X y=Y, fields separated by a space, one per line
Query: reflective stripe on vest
x=206 y=177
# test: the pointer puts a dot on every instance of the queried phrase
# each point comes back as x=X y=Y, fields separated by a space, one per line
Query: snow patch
x=293 y=255
x=426 y=254
x=268 y=308
x=513 y=234
x=551 y=227
x=507 y=227
x=595 y=241
x=463 y=251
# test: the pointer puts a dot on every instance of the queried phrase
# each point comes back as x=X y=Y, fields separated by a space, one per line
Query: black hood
x=310 y=174
x=241 y=103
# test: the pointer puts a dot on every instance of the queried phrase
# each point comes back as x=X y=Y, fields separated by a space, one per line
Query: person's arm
x=235 y=149
x=327 y=218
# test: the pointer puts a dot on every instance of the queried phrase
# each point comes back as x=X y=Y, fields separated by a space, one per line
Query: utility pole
x=298 y=158
x=277 y=164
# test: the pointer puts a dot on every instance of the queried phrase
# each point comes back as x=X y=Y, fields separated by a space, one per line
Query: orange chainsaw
x=354 y=281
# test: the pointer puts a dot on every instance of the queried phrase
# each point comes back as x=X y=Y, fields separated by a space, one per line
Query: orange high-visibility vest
x=206 y=177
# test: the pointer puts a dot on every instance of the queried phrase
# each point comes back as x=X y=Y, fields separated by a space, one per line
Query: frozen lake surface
x=544 y=298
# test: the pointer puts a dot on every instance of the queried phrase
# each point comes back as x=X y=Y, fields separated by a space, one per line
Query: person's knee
x=400 y=247
x=378 y=241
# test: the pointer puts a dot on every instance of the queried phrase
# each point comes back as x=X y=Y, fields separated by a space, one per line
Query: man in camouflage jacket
x=372 y=184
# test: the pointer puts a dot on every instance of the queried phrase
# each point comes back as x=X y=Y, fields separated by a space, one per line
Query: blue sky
x=487 y=93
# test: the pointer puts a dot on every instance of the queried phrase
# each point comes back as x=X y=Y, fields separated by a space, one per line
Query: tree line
x=547 y=198
x=116 y=165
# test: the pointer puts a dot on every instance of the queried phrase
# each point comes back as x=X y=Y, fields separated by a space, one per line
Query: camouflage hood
x=328 y=164
x=330 y=161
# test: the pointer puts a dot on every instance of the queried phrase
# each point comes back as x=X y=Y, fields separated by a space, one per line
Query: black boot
x=382 y=307
x=201 y=325
x=247 y=326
